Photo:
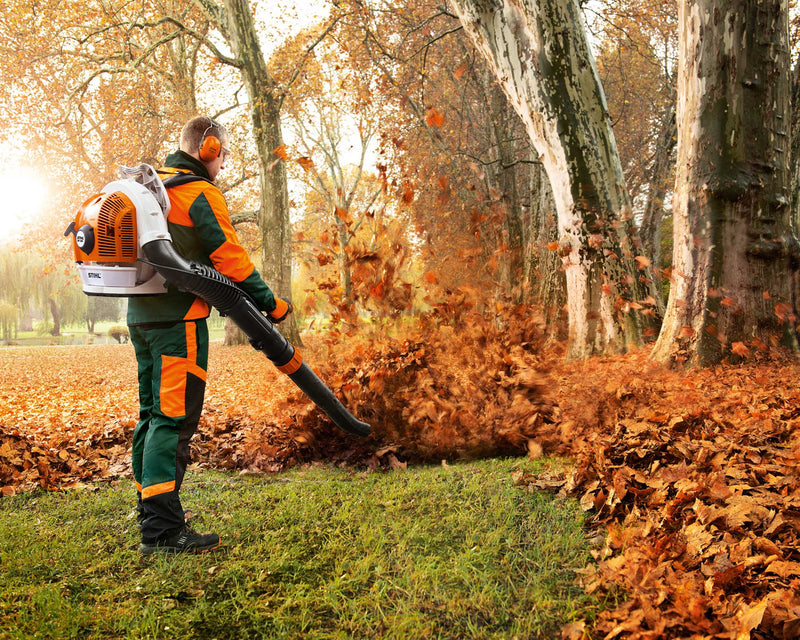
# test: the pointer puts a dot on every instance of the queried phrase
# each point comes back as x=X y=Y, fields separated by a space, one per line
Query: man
x=170 y=338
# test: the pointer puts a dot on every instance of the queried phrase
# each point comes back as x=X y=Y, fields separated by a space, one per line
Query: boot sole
x=148 y=550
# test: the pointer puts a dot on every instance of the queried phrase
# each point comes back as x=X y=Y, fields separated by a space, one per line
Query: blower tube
x=219 y=291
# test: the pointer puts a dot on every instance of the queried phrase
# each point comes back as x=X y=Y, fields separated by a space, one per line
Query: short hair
x=197 y=130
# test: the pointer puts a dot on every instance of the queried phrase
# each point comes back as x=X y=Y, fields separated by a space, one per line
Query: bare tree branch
x=233 y=62
x=309 y=50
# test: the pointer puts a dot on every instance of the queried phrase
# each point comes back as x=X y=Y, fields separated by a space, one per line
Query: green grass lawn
x=435 y=552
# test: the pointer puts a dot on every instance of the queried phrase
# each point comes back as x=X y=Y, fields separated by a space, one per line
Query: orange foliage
x=433 y=118
x=68 y=412
x=282 y=152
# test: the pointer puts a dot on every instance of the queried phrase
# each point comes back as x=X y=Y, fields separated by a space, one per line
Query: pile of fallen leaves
x=66 y=416
x=694 y=478
x=437 y=394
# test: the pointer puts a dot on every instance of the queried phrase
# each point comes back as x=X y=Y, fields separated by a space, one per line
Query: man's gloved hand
x=282 y=309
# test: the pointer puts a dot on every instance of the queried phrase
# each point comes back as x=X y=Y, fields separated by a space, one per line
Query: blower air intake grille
x=116 y=226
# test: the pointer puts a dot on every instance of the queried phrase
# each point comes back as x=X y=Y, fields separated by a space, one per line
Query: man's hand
x=282 y=309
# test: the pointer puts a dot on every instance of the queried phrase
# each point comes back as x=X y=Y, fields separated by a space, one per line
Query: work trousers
x=172 y=361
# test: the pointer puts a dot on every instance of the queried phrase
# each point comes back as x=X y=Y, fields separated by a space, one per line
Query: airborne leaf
x=282 y=152
x=433 y=117
x=306 y=163
x=740 y=349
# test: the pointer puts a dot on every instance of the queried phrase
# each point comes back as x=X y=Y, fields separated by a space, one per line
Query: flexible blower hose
x=219 y=291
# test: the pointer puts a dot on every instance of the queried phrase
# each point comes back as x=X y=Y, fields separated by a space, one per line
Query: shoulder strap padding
x=183 y=178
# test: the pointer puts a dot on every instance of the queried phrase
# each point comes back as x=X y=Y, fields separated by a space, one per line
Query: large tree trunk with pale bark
x=735 y=257
x=237 y=25
x=539 y=52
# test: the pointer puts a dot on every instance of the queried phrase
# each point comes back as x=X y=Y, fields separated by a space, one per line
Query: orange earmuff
x=210 y=148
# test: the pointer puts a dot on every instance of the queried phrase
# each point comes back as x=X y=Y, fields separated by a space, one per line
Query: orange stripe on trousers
x=158 y=489
x=173 y=375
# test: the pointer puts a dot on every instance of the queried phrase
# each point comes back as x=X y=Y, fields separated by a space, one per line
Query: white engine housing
x=145 y=191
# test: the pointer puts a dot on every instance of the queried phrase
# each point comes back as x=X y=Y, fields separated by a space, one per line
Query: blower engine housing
x=109 y=230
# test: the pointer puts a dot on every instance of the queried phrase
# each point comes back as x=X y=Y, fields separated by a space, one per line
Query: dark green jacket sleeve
x=209 y=213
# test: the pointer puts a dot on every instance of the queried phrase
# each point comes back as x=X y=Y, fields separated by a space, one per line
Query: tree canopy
x=401 y=143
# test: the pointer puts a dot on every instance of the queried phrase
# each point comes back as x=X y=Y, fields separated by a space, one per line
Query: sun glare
x=24 y=193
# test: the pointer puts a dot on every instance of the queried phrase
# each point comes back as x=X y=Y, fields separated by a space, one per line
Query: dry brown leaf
x=433 y=117
x=281 y=152
x=750 y=618
x=574 y=631
x=535 y=450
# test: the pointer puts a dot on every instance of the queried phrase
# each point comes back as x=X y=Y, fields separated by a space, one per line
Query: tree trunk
x=735 y=255
x=657 y=191
x=539 y=52
x=183 y=79
x=795 y=157
x=234 y=336
x=56 y=330
x=545 y=274
x=507 y=181
x=344 y=263
x=276 y=234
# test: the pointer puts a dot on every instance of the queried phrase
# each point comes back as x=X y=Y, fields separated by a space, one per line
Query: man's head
x=207 y=141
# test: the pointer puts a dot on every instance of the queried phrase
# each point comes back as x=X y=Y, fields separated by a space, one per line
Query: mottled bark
x=506 y=177
x=183 y=60
x=735 y=254
x=539 y=52
x=237 y=25
x=545 y=275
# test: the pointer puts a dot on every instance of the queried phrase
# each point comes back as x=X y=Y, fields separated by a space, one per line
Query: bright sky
x=280 y=19
x=24 y=194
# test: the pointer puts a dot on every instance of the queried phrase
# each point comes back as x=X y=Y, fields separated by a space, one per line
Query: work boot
x=185 y=540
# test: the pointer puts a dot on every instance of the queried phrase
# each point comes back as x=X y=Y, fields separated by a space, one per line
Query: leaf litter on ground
x=691 y=477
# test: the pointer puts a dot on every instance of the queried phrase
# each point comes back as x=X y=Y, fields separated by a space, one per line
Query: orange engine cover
x=108 y=224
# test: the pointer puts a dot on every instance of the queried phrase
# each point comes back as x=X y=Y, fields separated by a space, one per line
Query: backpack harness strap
x=178 y=179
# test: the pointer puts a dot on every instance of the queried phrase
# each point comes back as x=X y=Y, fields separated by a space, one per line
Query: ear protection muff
x=210 y=146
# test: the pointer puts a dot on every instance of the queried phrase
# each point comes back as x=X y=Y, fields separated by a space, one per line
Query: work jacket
x=201 y=230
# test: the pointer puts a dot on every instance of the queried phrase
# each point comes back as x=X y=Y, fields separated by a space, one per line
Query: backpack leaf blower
x=123 y=248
